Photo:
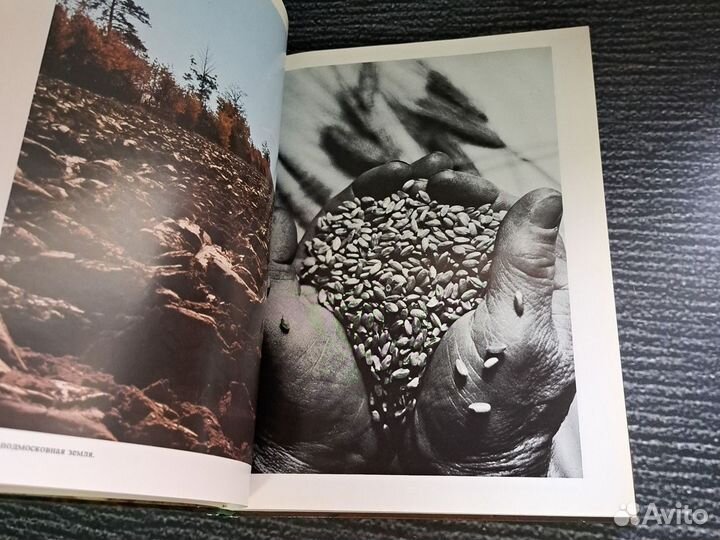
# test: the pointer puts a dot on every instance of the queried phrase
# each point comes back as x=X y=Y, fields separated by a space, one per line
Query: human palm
x=315 y=415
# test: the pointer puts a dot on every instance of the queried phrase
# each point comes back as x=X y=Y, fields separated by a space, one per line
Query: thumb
x=284 y=288
x=523 y=268
x=283 y=245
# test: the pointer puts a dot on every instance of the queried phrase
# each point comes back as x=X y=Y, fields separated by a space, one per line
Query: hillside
x=130 y=278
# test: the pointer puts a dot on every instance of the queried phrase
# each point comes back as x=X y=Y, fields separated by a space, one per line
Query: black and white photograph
x=418 y=316
x=134 y=249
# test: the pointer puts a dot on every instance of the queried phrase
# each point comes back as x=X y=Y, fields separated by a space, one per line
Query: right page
x=440 y=332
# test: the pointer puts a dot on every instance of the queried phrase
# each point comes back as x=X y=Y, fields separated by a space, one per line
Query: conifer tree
x=121 y=16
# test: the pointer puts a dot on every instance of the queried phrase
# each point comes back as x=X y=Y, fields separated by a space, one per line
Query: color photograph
x=134 y=249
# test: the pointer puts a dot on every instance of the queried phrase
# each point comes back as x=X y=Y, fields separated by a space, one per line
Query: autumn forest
x=95 y=44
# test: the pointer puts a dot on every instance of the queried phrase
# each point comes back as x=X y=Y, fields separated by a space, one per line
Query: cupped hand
x=501 y=381
x=314 y=414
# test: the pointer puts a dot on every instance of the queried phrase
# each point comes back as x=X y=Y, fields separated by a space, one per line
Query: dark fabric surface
x=657 y=73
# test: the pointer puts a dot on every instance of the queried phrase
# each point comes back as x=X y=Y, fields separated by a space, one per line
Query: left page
x=133 y=252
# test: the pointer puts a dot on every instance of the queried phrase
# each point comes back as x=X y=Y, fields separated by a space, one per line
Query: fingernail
x=547 y=212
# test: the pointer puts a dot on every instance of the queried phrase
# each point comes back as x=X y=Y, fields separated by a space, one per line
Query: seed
x=519 y=303
x=496 y=348
x=408 y=327
x=335 y=287
x=480 y=407
x=445 y=277
x=284 y=326
x=490 y=362
x=461 y=368
x=322 y=296
x=397 y=272
x=379 y=293
x=401 y=373
x=467 y=295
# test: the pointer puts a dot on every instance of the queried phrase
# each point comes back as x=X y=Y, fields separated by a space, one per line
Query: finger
x=453 y=147
x=383 y=180
x=523 y=268
x=283 y=246
x=431 y=164
x=283 y=240
x=561 y=299
x=456 y=187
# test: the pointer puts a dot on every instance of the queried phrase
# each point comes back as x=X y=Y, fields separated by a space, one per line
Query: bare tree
x=202 y=79
x=235 y=96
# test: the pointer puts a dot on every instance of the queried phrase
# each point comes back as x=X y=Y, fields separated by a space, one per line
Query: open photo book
x=363 y=281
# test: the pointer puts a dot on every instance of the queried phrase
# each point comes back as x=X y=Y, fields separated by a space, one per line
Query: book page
x=432 y=340
x=134 y=248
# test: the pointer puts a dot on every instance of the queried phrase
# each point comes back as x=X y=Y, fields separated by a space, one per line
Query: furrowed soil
x=132 y=264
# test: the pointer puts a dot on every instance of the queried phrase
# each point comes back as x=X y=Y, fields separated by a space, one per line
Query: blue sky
x=246 y=39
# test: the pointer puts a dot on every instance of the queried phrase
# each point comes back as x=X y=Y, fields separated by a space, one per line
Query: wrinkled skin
x=315 y=416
